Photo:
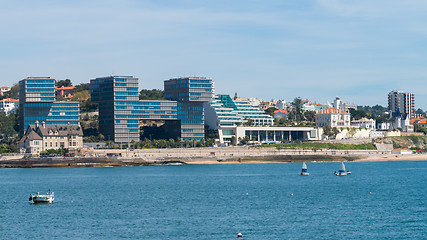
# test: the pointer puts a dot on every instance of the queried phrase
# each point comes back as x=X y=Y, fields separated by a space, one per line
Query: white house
x=364 y=123
x=9 y=105
x=333 y=117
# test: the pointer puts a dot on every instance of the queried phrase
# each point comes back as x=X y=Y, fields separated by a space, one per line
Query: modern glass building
x=120 y=108
x=190 y=93
x=37 y=103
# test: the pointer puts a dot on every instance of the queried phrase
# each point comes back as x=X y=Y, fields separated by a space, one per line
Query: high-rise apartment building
x=37 y=103
x=120 y=108
x=401 y=102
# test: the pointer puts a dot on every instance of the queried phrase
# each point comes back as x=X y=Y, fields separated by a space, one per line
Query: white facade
x=233 y=135
x=9 y=105
x=333 y=117
x=364 y=123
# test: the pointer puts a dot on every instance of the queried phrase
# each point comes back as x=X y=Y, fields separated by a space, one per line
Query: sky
x=359 y=50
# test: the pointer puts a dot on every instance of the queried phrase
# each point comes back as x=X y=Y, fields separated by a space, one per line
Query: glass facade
x=120 y=108
x=37 y=103
x=190 y=93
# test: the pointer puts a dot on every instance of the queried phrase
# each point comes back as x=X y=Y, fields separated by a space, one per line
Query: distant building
x=265 y=105
x=364 y=123
x=9 y=105
x=281 y=104
x=339 y=104
x=402 y=151
x=419 y=121
x=3 y=90
x=42 y=137
x=397 y=122
x=278 y=114
x=401 y=102
x=37 y=103
x=333 y=117
x=61 y=91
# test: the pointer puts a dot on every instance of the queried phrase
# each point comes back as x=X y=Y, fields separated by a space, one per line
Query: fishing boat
x=342 y=171
x=42 y=198
x=304 y=170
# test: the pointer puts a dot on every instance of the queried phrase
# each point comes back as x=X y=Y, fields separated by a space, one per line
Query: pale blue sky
x=317 y=49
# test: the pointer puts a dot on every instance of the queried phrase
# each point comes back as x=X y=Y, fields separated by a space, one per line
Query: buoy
x=239 y=235
x=246 y=193
x=370 y=192
x=291 y=194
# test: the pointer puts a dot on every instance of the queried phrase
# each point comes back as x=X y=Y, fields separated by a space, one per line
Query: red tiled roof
x=402 y=149
x=65 y=88
x=417 y=120
x=332 y=110
x=10 y=100
x=281 y=111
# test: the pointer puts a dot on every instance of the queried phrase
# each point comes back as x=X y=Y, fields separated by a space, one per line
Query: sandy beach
x=394 y=157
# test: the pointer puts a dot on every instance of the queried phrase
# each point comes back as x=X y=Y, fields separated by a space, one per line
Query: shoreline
x=120 y=162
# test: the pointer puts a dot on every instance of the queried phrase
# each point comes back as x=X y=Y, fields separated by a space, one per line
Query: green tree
x=154 y=94
x=82 y=87
x=13 y=93
x=7 y=130
x=310 y=116
x=64 y=83
x=358 y=114
x=296 y=111
x=270 y=111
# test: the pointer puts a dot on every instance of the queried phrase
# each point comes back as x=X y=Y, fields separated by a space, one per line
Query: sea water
x=379 y=200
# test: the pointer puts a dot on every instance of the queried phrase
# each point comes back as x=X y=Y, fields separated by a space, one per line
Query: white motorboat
x=304 y=170
x=42 y=198
x=342 y=171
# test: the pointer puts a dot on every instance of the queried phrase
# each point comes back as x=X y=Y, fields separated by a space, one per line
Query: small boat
x=304 y=170
x=342 y=171
x=42 y=198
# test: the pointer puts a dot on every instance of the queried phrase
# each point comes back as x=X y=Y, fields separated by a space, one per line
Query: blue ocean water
x=379 y=200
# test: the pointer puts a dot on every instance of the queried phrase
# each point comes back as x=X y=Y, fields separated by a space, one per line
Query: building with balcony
x=37 y=103
x=333 y=117
x=225 y=114
x=401 y=103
